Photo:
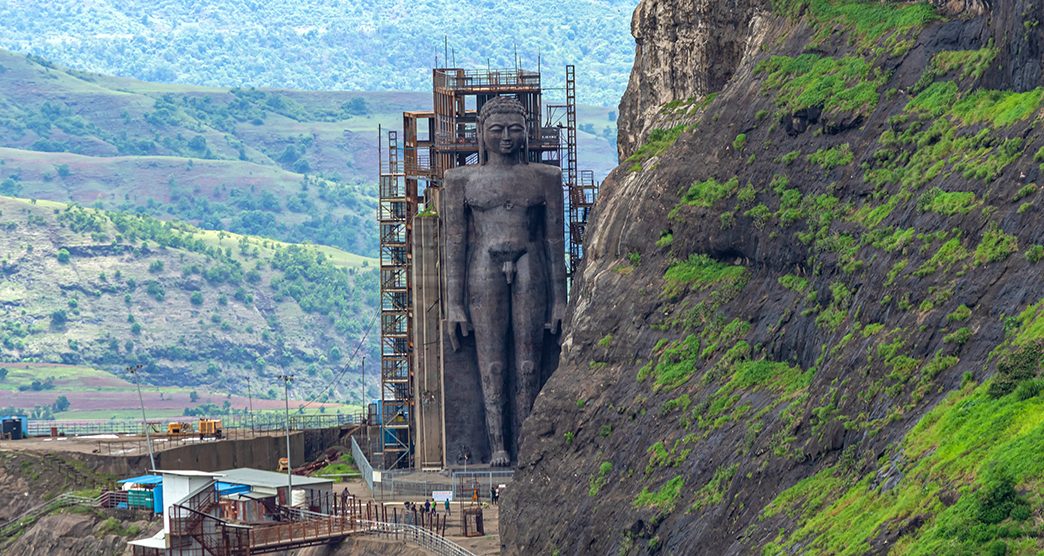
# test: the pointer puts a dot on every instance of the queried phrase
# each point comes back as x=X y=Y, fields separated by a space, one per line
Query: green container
x=140 y=499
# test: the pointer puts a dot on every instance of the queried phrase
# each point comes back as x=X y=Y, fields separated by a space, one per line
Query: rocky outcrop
x=810 y=323
x=70 y=534
x=683 y=49
x=962 y=7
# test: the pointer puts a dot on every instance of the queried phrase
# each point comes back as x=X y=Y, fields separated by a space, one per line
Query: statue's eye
x=496 y=128
x=516 y=128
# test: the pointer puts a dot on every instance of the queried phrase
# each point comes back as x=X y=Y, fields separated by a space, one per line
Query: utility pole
x=362 y=402
x=289 y=468
x=250 y=401
x=144 y=422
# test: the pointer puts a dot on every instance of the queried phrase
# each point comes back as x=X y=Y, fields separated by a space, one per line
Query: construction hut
x=14 y=427
x=144 y=492
x=310 y=493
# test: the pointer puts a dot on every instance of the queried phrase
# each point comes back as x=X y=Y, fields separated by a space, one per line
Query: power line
x=347 y=366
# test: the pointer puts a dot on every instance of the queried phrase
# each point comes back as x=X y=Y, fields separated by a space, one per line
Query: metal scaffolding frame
x=410 y=178
x=396 y=207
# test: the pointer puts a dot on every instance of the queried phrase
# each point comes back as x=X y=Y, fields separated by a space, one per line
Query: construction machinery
x=175 y=429
x=209 y=428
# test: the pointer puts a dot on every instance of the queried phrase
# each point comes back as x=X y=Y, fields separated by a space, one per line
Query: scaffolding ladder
x=395 y=215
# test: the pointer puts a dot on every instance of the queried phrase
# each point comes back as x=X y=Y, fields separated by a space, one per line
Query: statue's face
x=504 y=133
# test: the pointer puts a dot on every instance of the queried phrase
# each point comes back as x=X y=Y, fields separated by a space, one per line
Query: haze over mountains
x=362 y=45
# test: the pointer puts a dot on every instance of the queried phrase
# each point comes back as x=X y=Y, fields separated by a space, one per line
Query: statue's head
x=502 y=129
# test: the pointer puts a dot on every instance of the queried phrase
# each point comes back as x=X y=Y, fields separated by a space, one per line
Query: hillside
x=369 y=45
x=811 y=319
x=80 y=286
x=291 y=165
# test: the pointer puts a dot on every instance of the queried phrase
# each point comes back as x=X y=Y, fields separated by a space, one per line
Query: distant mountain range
x=362 y=45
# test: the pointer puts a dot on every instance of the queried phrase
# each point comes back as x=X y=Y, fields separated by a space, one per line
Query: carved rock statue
x=505 y=264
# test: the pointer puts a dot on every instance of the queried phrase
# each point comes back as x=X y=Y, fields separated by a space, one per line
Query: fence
x=238 y=422
x=362 y=463
x=27 y=518
x=463 y=484
x=412 y=533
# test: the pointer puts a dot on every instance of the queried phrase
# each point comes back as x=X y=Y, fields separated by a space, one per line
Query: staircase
x=11 y=528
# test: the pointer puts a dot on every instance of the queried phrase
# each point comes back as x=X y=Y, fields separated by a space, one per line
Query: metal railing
x=238 y=422
x=467 y=79
x=28 y=517
x=362 y=463
x=412 y=533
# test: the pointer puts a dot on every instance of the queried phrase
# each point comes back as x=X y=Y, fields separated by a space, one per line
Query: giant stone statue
x=505 y=267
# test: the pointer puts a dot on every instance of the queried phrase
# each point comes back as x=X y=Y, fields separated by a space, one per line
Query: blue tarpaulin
x=144 y=480
x=228 y=489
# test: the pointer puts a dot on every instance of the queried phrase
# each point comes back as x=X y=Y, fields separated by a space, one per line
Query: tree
x=196 y=299
x=61 y=404
x=59 y=318
x=63 y=256
x=193 y=396
x=3 y=373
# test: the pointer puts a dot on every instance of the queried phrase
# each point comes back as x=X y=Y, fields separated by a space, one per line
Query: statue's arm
x=556 y=251
x=456 y=230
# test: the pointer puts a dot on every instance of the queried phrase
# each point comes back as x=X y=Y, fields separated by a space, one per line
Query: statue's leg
x=489 y=296
x=528 y=316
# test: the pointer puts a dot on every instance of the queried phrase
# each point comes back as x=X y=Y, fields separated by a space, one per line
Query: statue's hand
x=557 y=316
x=457 y=320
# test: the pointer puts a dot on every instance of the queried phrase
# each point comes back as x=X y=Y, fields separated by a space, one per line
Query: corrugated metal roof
x=268 y=479
x=143 y=480
x=226 y=489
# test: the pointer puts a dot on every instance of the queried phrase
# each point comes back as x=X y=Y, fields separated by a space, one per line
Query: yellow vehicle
x=179 y=429
x=209 y=427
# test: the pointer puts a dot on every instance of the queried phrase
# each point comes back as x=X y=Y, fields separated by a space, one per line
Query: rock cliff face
x=811 y=317
x=682 y=49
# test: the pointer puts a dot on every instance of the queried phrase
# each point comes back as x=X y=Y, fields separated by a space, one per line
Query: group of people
x=429 y=507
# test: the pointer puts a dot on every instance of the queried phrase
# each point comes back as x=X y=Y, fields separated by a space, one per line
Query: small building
x=144 y=492
x=184 y=494
x=14 y=427
x=310 y=493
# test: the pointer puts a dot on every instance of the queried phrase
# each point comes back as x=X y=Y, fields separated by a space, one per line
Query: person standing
x=447 y=506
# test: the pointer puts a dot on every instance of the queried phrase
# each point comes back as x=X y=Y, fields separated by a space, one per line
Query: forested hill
x=324 y=44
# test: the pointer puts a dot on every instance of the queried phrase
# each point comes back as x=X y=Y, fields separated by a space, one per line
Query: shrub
x=995 y=246
x=155 y=289
x=739 y=142
x=1015 y=368
x=63 y=256
x=947 y=203
x=601 y=479
x=706 y=193
x=831 y=158
x=196 y=298
x=959 y=336
x=1035 y=253
x=702 y=271
x=789 y=158
x=657 y=143
x=156 y=266
x=59 y=318
x=664 y=499
x=962 y=312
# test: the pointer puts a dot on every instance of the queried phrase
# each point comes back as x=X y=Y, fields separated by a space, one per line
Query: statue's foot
x=500 y=459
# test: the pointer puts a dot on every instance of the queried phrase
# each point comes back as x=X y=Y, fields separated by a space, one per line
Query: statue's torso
x=507 y=208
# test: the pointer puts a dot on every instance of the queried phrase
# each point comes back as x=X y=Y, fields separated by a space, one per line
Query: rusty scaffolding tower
x=435 y=141
x=396 y=208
